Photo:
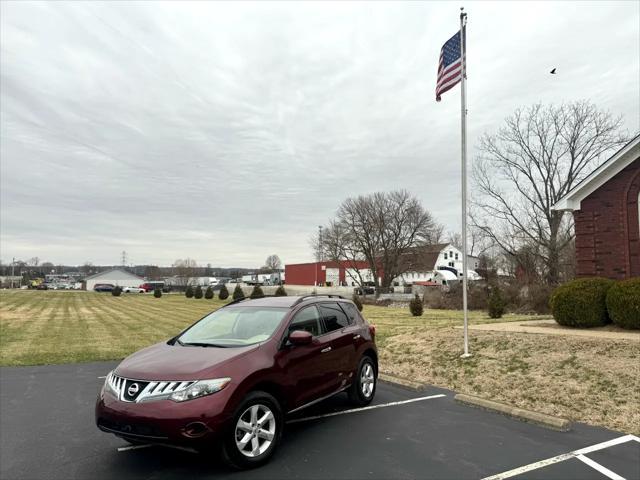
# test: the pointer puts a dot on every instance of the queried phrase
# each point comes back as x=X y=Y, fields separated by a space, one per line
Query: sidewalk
x=550 y=327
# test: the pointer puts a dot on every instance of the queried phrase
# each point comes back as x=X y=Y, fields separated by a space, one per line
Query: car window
x=308 y=320
x=334 y=317
x=235 y=326
x=351 y=310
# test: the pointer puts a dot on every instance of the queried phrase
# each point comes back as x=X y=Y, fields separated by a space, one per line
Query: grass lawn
x=591 y=380
x=47 y=327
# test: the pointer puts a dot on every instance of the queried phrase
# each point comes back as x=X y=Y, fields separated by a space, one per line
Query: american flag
x=450 y=66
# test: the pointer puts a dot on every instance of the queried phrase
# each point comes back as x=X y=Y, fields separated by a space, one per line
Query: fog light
x=195 y=429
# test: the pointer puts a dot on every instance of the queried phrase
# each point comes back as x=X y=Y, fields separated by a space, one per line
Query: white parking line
x=567 y=456
x=103 y=376
x=603 y=470
x=610 y=443
x=372 y=407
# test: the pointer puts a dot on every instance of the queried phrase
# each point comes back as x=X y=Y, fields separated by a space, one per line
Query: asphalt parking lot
x=47 y=431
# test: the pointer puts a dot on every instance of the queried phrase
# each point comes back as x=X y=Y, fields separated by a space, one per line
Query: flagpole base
x=466 y=355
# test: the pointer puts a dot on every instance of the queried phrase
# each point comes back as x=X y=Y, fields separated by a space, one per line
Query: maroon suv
x=231 y=377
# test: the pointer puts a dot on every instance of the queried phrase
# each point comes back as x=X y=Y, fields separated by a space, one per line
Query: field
x=47 y=327
x=592 y=380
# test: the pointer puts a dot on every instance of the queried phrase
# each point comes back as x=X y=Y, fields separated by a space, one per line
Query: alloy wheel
x=255 y=430
x=367 y=380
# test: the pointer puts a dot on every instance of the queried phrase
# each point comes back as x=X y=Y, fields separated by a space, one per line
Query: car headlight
x=108 y=386
x=200 y=389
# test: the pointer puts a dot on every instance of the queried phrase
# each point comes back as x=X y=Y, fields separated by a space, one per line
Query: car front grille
x=131 y=390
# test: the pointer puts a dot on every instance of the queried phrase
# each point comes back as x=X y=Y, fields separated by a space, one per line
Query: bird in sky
x=553 y=72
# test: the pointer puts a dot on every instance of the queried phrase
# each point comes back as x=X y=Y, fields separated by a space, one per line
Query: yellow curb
x=549 y=421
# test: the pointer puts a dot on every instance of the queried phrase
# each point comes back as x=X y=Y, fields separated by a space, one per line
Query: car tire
x=363 y=388
x=260 y=439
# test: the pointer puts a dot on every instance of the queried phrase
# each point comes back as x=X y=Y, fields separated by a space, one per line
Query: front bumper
x=189 y=423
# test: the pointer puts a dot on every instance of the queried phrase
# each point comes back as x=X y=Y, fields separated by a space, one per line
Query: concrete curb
x=401 y=382
x=549 y=421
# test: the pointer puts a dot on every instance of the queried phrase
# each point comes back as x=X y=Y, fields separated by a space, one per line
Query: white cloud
x=229 y=131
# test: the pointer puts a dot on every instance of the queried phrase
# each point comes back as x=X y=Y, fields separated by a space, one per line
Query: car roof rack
x=233 y=302
x=298 y=301
x=305 y=297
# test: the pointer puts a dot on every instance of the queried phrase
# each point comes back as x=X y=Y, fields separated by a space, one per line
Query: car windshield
x=235 y=326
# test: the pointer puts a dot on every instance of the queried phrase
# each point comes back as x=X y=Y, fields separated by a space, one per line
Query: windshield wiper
x=202 y=344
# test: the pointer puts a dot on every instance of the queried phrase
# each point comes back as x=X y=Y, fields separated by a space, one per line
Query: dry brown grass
x=596 y=381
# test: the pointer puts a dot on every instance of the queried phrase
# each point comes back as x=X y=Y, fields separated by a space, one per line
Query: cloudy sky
x=227 y=132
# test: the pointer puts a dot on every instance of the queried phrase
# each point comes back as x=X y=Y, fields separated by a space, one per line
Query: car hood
x=175 y=362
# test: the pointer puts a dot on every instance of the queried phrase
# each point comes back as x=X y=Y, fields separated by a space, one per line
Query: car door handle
x=356 y=337
x=325 y=350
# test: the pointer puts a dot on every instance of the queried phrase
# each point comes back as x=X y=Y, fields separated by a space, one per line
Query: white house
x=114 y=277
x=427 y=262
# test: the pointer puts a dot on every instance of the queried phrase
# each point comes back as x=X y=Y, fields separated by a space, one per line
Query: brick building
x=326 y=273
x=605 y=208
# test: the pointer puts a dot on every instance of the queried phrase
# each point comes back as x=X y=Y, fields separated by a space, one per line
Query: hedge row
x=594 y=302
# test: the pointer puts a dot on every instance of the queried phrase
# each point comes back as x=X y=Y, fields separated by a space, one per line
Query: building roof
x=446 y=274
x=424 y=258
x=109 y=273
x=601 y=175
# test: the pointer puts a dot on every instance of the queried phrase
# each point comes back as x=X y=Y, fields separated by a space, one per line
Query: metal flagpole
x=463 y=97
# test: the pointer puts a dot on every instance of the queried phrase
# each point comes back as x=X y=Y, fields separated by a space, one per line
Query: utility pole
x=13 y=267
x=124 y=258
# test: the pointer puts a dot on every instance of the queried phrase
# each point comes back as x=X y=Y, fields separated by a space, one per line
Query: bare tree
x=477 y=242
x=272 y=264
x=184 y=270
x=152 y=272
x=337 y=245
x=46 y=267
x=527 y=166
x=381 y=229
x=86 y=268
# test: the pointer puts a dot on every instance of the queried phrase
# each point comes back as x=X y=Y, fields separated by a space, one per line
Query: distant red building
x=605 y=208
x=322 y=273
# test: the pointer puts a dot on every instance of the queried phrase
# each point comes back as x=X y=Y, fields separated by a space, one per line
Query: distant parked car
x=103 y=287
x=42 y=286
x=133 y=290
x=365 y=290
x=151 y=286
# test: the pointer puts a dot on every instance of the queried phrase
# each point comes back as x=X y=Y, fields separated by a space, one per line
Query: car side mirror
x=300 y=337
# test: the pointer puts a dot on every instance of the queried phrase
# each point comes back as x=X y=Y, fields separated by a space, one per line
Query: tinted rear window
x=351 y=310
x=334 y=317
